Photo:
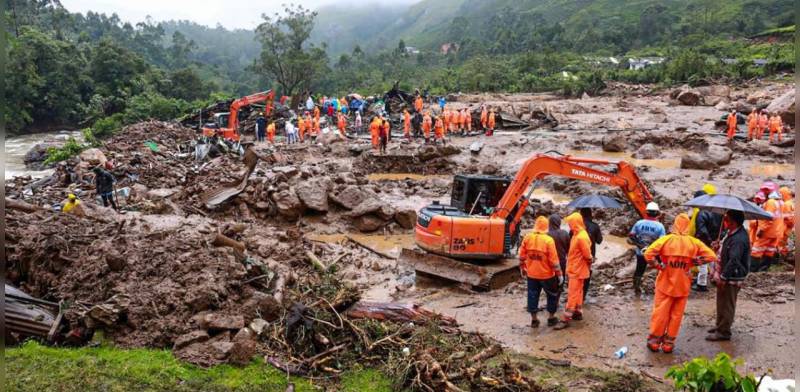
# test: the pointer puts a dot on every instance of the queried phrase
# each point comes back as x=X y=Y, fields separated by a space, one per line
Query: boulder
x=314 y=193
x=715 y=90
x=287 y=171
x=288 y=204
x=715 y=157
x=368 y=223
x=758 y=97
x=244 y=347
x=647 y=151
x=676 y=92
x=37 y=153
x=93 y=157
x=407 y=219
x=490 y=169
x=690 y=97
x=373 y=206
x=714 y=100
x=614 y=142
x=476 y=147
x=784 y=106
x=221 y=322
x=189 y=338
x=351 y=196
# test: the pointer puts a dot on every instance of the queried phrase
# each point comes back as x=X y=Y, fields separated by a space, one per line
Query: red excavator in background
x=474 y=239
x=226 y=125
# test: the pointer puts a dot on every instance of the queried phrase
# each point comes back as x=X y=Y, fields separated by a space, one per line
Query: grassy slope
x=33 y=367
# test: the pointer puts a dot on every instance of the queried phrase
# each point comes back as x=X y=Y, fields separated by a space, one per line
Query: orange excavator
x=226 y=125
x=473 y=240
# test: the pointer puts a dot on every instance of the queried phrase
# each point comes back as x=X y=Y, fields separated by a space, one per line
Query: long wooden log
x=21 y=205
x=398 y=312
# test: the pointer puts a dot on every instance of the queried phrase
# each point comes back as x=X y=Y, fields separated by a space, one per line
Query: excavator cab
x=219 y=126
x=476 y=194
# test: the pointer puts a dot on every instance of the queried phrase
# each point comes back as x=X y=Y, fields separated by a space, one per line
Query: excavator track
x=488 y=276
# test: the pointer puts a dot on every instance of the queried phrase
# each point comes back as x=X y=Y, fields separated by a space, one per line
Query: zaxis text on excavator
x=473 y=240
x=226 y=125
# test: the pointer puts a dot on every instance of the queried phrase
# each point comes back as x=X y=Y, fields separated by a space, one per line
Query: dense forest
x=98 y=72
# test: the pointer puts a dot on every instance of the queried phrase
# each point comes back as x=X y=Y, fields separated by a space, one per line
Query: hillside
x=506 y=26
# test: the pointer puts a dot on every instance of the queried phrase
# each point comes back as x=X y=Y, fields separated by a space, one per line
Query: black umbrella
x=724 y=203
x=593 y=201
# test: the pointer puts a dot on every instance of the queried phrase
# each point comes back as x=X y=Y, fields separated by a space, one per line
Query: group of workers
x=416 y=122
x=712 y=244
x=758 y=122
x=104 y=187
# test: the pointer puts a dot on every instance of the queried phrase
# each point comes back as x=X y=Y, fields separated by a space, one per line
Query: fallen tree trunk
x=21 y=205
x=399 y=312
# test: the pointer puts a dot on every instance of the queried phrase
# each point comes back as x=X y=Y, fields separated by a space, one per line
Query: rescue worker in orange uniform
x=301 y=127
x=309 y=121
x=752 y=124
x=407 y=124
x=484 y=117
x=731 y=121
x=271 y=132
x=445 y=117
x=775 y=126
x=438 y=129
x=766 y=234
x=490 y=123
x=374 y=131
x=342 y=124
x=386 y=129
x=316 y=114
x=468 y=119
x=418 y=104
x=763 y=123
x=538 y=262
x=788 y=219
x=426 y=126
x=453 y=121
x=579 y=260
x=673 y=255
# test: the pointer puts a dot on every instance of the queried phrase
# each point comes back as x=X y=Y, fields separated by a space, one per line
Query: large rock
x=37 y=153
x=93 y=156
x=614 y=142
x=314 y=193
x=647 y=151
x=758 y=97
x=690 y=97
x=716 y=90
x=373 y=206
x=288 y=204
x=351 y=196
x=715 y=157
x=784 y=106
x=221 y=322
x=190 y=338
x=407 y=219
x=244 y=347
x=368 y=223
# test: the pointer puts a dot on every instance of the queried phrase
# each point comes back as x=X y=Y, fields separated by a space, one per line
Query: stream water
x=17 y=146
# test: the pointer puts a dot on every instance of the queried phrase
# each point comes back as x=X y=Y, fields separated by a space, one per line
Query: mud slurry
x=352 y=208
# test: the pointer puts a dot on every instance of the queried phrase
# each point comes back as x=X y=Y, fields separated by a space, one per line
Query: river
x=17 y=146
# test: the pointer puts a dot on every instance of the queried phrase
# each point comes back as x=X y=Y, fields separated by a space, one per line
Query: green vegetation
x=69 y=149
x=718 y=375
x=33 y=367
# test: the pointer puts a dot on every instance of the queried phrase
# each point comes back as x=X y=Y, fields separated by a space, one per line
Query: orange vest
x=678 y=251
x=579 y=256
x=537 y=253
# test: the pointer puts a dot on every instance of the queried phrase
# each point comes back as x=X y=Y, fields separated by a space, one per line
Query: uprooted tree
x=285 y=57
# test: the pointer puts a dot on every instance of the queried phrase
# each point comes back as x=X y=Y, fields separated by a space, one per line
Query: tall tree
x=286 y=57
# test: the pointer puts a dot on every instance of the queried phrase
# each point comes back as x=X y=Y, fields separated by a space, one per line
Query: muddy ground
x=355 y=209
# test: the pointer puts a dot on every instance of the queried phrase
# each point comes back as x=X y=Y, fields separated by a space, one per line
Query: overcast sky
x=229 y=13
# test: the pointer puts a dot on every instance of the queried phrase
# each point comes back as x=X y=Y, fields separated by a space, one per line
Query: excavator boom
x=231 y=132
x=458 y=235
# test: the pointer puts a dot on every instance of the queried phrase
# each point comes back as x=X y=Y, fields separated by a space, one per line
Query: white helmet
x=652 y=206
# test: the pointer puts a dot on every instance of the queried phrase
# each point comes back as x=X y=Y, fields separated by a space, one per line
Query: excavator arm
x=514 y=202
x=265 y=96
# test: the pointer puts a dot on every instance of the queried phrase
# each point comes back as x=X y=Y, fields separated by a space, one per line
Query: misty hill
x=506 y=26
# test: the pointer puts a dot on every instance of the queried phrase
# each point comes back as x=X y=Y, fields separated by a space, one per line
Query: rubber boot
x=668 y=346
x=654 y=343
x=637 y=285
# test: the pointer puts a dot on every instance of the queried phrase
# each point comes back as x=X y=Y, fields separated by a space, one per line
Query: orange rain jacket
x=484 y=117
x=426 y=125
x=752 y=123
x=439 y=129
x=491 y=120
x=679 y=252
x=374 y=130
x=537 y=254
x=579 y=257
x=788 y=208
x=406 y=122
x=271 y=132
x=418 y=104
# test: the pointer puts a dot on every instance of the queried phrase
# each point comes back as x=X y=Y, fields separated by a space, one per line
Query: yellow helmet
x=71 y=196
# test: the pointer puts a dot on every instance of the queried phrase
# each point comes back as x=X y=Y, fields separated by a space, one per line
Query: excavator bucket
x=481 y=277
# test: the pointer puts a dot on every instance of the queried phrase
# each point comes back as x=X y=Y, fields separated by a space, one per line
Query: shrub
x=68 y=150
x=704 y=375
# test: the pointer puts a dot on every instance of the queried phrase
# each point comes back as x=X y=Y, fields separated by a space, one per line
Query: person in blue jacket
x=643 y=233
x=442 y=102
